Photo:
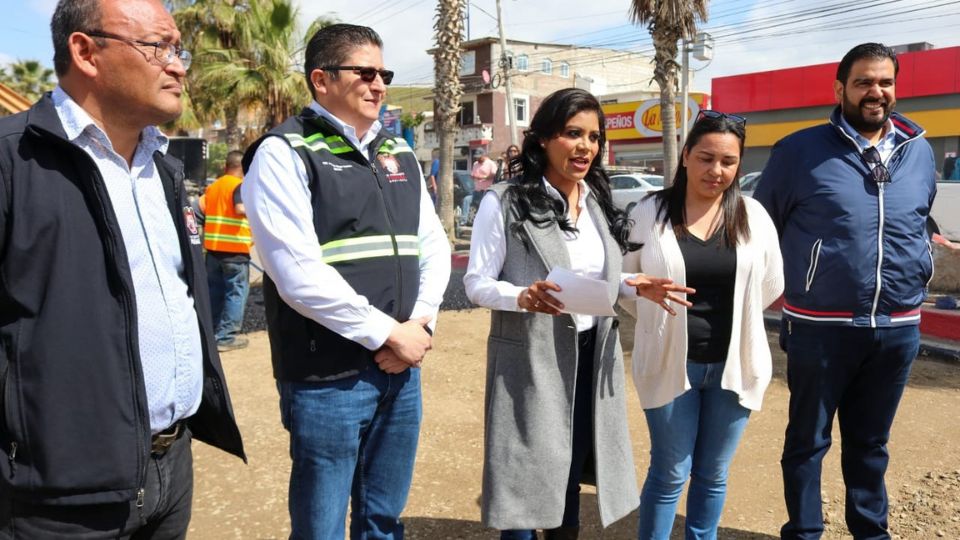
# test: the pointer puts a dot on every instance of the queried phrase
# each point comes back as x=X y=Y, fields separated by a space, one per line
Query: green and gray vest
x=366 y=215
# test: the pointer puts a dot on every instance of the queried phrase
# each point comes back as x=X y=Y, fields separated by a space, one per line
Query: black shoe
x=562 y=533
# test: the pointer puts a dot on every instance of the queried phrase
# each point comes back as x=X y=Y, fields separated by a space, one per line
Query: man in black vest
x=108 y=362
x=356 y=265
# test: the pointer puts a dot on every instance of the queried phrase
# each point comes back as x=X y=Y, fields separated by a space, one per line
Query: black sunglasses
x=707 y=113
x=367 y=73
x=879 y=172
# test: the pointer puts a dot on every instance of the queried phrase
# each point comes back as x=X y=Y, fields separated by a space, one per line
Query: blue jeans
x=695 y=437
x=351 y=439
x=465 y=208
x=859 y=374
x=229 y=284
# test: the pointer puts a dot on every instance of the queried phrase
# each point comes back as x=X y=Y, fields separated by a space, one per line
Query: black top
x=711 y=270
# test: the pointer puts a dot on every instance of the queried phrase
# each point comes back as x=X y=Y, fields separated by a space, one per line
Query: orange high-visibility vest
x=225 y=230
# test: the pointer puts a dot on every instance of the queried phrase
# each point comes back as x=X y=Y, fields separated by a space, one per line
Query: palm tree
x=447 y=93
x=29 y=78
x=668 y=21
x=248 y=60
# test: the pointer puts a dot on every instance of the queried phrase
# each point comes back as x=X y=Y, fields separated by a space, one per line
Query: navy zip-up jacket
x=855 y=252
x=74 y=423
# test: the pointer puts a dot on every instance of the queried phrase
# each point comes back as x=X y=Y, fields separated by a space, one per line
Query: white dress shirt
x=488 y=248
x=167 y=327
x=276 y=195
x=886 y=144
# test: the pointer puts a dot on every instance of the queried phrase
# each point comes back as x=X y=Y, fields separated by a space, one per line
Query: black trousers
x=165 y=513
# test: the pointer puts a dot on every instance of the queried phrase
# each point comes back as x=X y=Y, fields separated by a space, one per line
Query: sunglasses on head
x=367 y=73
x=707 y=113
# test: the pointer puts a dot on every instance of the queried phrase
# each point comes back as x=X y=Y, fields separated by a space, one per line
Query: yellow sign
x=642 y=119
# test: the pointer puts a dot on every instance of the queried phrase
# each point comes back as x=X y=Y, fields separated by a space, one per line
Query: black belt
x=161 y=442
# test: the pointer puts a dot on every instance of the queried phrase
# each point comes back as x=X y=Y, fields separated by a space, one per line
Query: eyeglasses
x=879 y=171
x=367 y=73
x=164 y=51
x=707 y=113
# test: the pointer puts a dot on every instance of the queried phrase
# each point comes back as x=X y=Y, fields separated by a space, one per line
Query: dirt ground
x=237 y=501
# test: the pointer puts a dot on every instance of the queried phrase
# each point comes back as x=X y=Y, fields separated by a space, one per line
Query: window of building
x=547 y=67
x=521 y=110
x=522 y=62
x=468 y=63
x=564 y=70
x=467 y=113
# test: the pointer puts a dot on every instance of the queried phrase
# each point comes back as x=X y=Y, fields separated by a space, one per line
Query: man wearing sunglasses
x=850 y=199
x=356 y=265
x=108 y=365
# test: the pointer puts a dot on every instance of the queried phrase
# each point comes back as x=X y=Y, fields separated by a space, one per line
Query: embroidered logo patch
x=390 y=164
x=190 y=220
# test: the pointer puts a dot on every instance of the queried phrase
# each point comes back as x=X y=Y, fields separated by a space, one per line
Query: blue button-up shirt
x=168 y=330
x=886 y=144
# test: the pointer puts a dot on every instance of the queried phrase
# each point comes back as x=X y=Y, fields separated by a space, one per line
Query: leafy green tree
x=247 y=61
x=29 y=78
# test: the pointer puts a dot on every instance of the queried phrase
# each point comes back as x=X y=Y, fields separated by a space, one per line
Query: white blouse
x=488 y=247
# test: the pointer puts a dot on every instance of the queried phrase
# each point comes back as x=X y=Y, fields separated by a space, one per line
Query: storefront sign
x=642 y=119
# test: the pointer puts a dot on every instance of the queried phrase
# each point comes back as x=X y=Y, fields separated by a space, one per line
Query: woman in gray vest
x=554 y=407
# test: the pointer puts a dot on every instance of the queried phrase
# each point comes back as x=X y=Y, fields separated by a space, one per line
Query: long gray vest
x=531 y=374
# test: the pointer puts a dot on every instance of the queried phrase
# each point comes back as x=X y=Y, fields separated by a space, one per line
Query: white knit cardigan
x=660 y=340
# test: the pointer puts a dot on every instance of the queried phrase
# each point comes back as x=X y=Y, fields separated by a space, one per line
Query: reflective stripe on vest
x=240 y=225
x=397 y=145
x=225 y=231
x=367 y=247
x=317 y=142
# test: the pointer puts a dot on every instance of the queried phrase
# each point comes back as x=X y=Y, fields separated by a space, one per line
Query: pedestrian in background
x=226 y=236
x=850 y=199
x=555 y=400
x=514 y=167
x=483 y=173
x=106 y=340
x=356 y=265
x=701 y=369
x=434 y=176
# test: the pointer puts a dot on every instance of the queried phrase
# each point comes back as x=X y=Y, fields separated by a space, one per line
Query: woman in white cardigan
x=700 y=369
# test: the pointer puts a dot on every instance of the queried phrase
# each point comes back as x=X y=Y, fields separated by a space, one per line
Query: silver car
x=628 y=189
x=748 y=183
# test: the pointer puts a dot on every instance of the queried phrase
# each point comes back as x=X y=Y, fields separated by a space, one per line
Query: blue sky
x=750 y=35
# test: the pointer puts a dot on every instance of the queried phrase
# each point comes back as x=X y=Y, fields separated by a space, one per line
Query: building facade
x=777 y=103
x=536 y=70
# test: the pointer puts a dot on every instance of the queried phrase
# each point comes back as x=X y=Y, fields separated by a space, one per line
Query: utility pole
x=505 y=63
x=685 y=94
x=702 y=49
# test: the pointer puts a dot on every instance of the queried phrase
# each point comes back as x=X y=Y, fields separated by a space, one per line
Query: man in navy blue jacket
x=850 y=199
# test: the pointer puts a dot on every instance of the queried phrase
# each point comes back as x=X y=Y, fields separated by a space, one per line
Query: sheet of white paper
x=581 y=295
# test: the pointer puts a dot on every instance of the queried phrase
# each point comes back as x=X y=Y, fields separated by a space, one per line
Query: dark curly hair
x=533 y=202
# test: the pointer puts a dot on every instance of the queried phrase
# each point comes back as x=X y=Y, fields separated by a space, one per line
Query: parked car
x=748 y=183
x=629 y=188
